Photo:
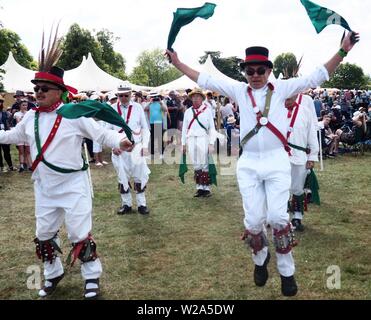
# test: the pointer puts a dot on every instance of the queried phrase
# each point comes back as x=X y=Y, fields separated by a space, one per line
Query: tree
x=10 y=41
x=1 y=78
x=285 y=63
x=77 y=43
x=153 y=69
x=347 y=76
x=115 y=62
x=229 y=66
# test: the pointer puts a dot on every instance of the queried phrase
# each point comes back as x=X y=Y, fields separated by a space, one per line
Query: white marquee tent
x=86 y=77
x=16 y=77
x=89 y=77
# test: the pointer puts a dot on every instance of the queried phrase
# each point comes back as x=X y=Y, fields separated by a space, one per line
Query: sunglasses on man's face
x=124 y=95
x=260 y=71
x=43 y=89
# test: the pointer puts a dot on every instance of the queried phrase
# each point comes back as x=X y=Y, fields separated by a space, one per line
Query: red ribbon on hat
x=255 y=57
x=47 y=76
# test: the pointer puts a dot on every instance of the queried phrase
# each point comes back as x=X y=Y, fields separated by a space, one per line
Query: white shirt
x=227 y=110
x=19 y=116
x=212 y=105
x=65 y=149
x=207 y=120
x=137 y=122
x=265 y=140
x=304 y=132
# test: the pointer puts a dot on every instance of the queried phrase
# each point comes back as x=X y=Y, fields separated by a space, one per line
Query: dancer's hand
x=172 y=57
x=126 y=145
x=310 y=165
x=350 y=40
x=116 y=151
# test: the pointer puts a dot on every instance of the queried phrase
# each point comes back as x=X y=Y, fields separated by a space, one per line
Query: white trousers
x=198 y=150
x=97 y=148
x=264 y=180
x=70 y=202
x=298 y=176
x=131 y=165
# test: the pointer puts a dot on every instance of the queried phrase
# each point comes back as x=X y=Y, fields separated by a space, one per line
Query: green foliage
x=11 y=41
x=285 y=63
x=1 y=78
x=115 y=62
x=79 y=42
x=348 y=76
x=229 y=66
x=153 y=69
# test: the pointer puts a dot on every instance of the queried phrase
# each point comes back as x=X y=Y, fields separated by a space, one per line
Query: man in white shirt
x=62 y=190
x=210 y=102
x=133 y=164
x=199 y=134
x=263 y=170
x=302 y=137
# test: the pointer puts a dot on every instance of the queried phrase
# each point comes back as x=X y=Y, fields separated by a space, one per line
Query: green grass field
x=190 y=248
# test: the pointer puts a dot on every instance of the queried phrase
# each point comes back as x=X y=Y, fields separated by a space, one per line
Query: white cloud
x=282 y=26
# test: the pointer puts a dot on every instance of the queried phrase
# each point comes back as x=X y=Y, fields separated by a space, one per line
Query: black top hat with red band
x=54 y=76
x=257 y=55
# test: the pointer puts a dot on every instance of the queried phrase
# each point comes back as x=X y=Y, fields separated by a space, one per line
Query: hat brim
x=122 y=92
x=62 y=87
x=194 y=93
x=268 y=63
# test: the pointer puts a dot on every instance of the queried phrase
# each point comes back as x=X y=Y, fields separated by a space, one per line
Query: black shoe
x=296 y=223
x=309 y=197
x=331 y=156
x=199 y=193
x=48 y=290
x=143 y=210
x=207 y=194
x=124 y=210
x=261 y=272
x=91 y=294
x=288 y=286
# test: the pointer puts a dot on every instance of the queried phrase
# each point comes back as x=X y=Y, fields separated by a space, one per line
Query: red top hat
x=54 y=76
x=257 y=56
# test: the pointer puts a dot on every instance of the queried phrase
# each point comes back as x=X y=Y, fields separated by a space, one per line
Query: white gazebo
x=16 y=77
x=89 y=77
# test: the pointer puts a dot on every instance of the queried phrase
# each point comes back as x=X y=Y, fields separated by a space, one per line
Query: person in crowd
x=25 y=161
x=156 y=109
x=132 y=165
x=199 y=136
x=5 y=148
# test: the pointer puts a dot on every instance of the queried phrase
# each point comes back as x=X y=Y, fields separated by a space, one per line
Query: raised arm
x=348 y=43
x=294 y=86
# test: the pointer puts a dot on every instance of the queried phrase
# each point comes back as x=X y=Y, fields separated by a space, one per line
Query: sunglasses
x=43 y=89
x=124 y=95
x=260 y=71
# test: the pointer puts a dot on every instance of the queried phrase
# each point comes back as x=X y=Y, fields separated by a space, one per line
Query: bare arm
x=188 y=71
x=346 y=45
x=163 y=107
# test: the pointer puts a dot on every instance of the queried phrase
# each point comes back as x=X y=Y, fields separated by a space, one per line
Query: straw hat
x=197 y=91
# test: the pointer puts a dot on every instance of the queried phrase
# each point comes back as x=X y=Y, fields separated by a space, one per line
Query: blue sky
x=280 y=25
